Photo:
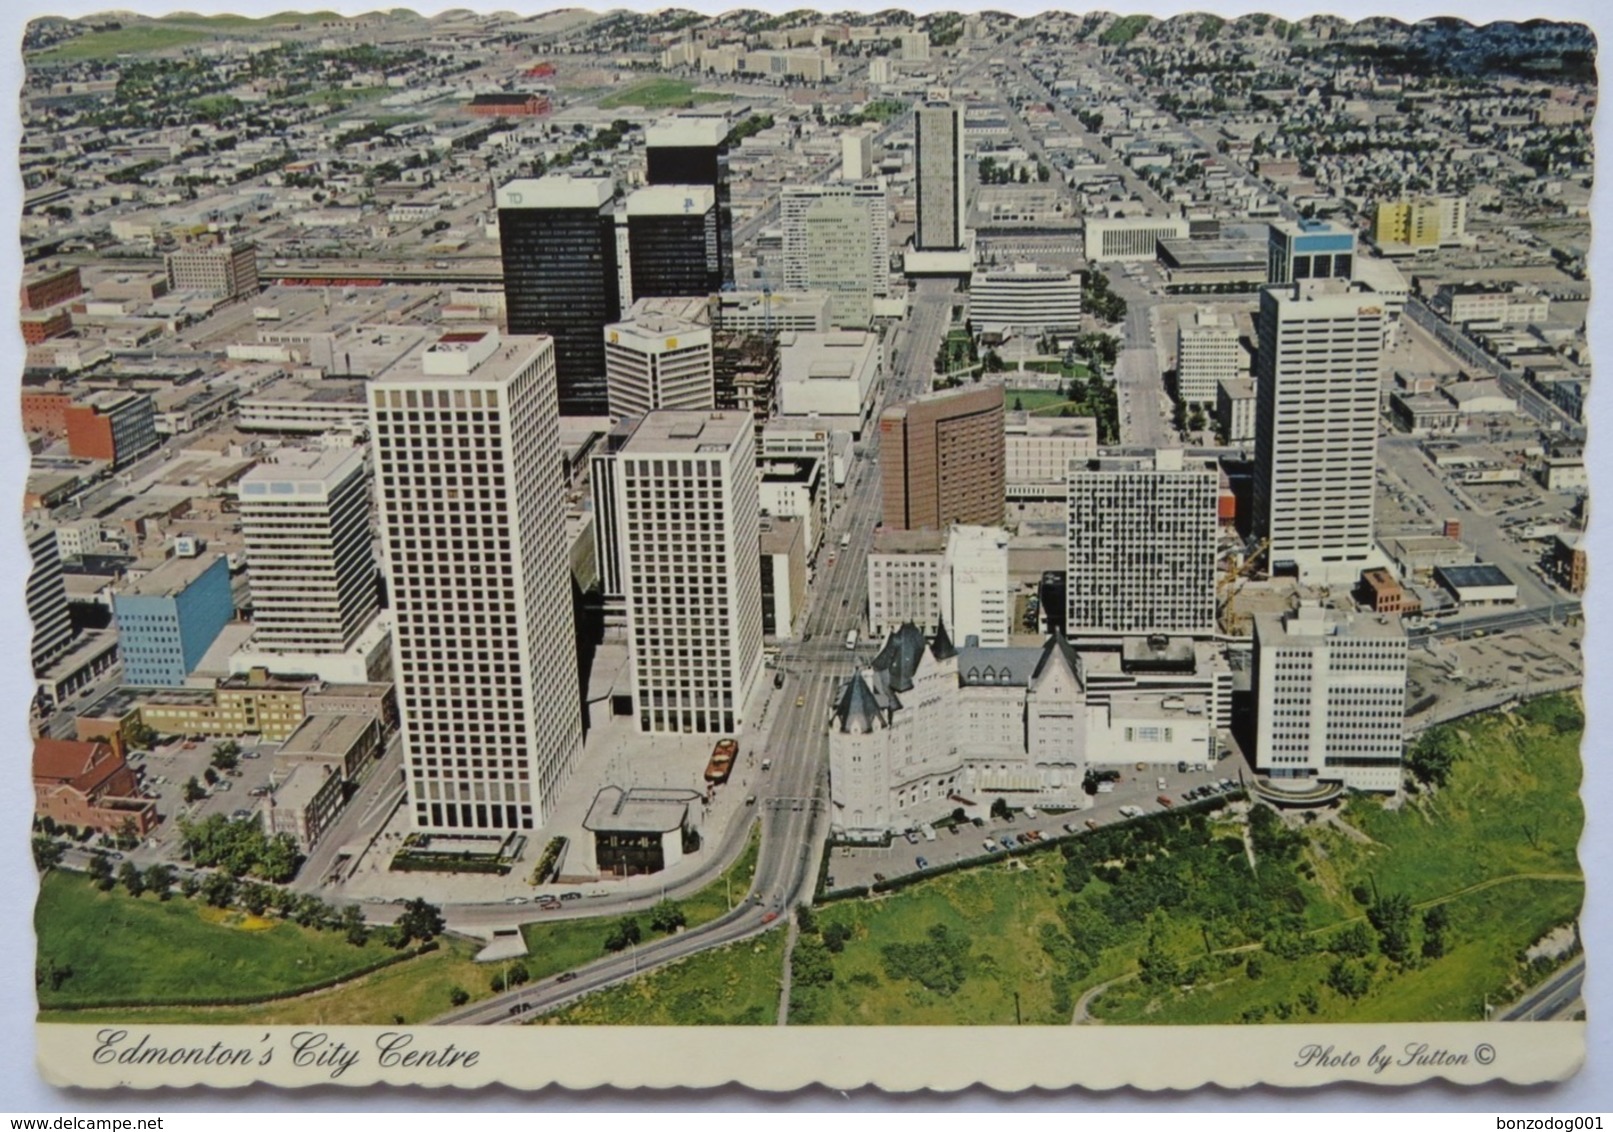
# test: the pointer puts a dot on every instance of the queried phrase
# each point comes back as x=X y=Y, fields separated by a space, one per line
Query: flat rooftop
x=1477 y=576
x=327 y=734
x=638 y=810
x=170 y=578
x=300 y=466
x=687 y=431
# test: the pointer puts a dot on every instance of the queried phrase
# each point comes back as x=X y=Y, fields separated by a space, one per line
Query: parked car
x=566 y=977
x=922 y=862
x=571 y=896
x=1164 y=801
x=879 y=878
x=1091 y=824
x=989 y=845
x=912 y=836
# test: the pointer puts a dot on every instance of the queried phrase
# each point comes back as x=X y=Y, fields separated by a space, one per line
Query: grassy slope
x=1497 y=844
x=119 y=948
x=1000 y=909
x=416 y=991
x=137 y=39
x=737 y=985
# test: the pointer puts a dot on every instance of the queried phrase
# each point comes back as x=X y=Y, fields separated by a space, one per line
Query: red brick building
x=45 y=410
x=112 y=425
x=1568 y=559
x=51 y=288
x=1383 y=592
x=41 y=326
x=512 y=105
x=89 y=786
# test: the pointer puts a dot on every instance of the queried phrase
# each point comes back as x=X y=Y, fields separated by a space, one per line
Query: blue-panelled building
x=1309 y=249
x=168 y=619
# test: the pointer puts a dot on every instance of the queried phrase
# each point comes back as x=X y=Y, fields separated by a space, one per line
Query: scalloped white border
x=896 y=1059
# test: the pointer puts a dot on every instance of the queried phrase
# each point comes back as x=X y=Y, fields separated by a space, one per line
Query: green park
x=659 y=94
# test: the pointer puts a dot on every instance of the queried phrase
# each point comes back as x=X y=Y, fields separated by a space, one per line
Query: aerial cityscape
x=855 y=519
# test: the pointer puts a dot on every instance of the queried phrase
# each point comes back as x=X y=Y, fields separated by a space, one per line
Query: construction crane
x=1226 y=590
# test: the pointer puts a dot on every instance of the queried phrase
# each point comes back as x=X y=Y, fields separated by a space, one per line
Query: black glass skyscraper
x=694 y=151
x=672 y=242
x=557 y=237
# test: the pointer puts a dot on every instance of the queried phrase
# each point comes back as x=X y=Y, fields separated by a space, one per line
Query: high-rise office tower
x=856 y=155
x=693 y=150
x=557 y=238
x=472 y=516
x=1309 y=249
x=1330 y=693
x=1316 y=427
x=837 y=239
x=47 y=598
x=607 y=521
x=305 y=518
x=977 y=600
x=944 y=460
x=689 y=517
x=938 y=161
x=1141 y=553
x=1207 y=353
x=657 y=361
x=672 y=243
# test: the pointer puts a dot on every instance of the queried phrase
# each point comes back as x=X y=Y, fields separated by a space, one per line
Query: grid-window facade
x=484 y=646
x=308 y=555
x=1316 y=427
x=1330 y=690
x=689 y=513
x=1141 y=554
x=938 y=162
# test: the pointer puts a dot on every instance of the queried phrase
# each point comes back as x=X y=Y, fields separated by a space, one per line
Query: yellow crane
x=1231 y=582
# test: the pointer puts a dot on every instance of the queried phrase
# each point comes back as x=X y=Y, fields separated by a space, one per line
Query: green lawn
x=1033 y=400
x=737 y=985
x=341 y=99
x=134 y=40
x=121 y=948
x=415 y=991
x=656 y=94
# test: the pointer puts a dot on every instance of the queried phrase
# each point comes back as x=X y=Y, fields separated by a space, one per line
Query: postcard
x=936 y=549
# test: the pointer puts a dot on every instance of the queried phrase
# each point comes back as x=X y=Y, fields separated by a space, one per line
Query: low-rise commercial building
x=641 y=830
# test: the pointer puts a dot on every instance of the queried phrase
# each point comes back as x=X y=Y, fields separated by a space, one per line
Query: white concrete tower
x=467 y=438
x=690 y=519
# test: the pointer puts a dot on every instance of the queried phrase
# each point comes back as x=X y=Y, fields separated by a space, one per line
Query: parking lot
x=852 y=866
x=166 y=769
